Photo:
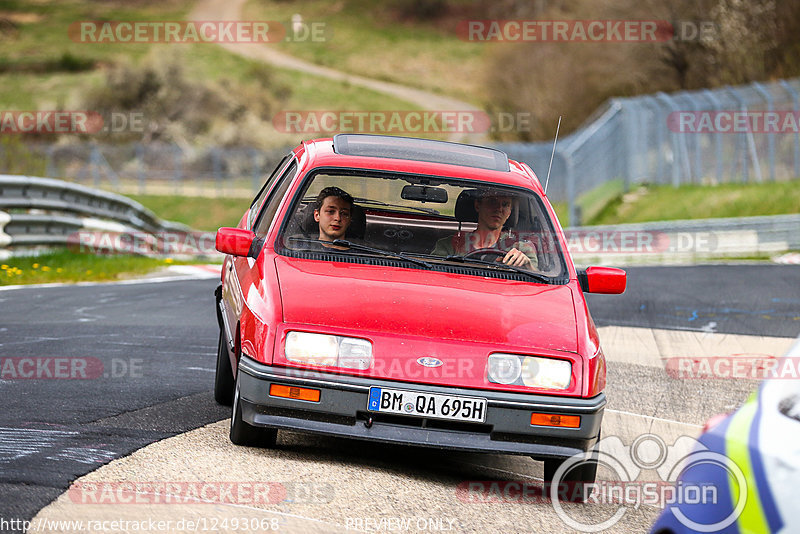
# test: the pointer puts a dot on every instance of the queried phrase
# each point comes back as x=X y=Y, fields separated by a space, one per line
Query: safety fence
x=733 y=134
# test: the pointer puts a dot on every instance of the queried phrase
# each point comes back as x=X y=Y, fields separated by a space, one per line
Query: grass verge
x=666 y=203
x=67 y=266
x=200 y=213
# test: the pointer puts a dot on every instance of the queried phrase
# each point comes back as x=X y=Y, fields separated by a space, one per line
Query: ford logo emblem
x=427 y=361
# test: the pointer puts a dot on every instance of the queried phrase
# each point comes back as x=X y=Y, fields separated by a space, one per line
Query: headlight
x=504 y=368
x=531 y=371
x=327 y=350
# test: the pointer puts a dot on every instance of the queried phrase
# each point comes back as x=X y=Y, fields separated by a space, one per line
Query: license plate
x=414 y=403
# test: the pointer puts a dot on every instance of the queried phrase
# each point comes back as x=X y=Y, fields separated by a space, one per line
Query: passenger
x=494 y=209
x=333 y=211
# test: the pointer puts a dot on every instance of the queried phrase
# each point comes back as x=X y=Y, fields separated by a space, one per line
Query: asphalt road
x=143 y=358
x=145 y=372
x=735 y=299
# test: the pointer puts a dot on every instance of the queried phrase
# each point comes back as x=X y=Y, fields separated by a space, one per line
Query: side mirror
x=607 y=280
x=235 y=241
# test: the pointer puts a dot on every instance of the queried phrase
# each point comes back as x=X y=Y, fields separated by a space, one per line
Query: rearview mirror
x=235 y=241
x=607 y=280
x=424 y=193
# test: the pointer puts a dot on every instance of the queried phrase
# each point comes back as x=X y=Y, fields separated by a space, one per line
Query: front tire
x=576 y=484
x=223 y=380
x=246 y=434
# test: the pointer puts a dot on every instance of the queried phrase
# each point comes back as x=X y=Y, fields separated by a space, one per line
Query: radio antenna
x=551 y=155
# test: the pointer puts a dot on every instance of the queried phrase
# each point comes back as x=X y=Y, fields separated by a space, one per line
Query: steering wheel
x=481 y=253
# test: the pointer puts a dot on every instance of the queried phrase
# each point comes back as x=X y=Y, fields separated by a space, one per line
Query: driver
x=493 y=209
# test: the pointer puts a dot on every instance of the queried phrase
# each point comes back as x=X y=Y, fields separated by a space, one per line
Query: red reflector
x=551 y=419
x=292 y=392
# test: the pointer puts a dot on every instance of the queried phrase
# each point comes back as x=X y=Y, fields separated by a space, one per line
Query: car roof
x=321 y=153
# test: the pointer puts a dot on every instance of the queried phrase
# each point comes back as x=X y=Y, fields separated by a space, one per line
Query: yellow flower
x=35 y=265
x=59 y=270
x=45 y=268
x=4 y=267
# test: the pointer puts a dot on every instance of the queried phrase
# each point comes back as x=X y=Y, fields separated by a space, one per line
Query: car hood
x=415 y=302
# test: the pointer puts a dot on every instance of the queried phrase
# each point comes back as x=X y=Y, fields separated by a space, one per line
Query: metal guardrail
x=42 y=211
x=684 y=241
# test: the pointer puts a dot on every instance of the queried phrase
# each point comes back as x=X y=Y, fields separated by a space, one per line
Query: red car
x=409 y=291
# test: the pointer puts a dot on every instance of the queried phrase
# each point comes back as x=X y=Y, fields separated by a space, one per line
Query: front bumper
x=342 y=411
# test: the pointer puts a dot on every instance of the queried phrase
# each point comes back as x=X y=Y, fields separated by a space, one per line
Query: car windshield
x=425 y=222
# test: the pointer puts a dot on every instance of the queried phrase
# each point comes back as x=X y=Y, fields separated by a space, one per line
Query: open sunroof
x=410 y=148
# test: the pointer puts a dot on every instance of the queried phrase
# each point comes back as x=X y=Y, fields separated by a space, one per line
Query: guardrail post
x=795 y=107
x=770 y=135
x=631 y=136
x=746 y=141
x=692 y=174
x=715 y=105
x=645 y=145
x=676 y=170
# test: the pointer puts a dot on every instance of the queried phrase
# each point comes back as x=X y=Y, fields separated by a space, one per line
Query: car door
x=234 y=268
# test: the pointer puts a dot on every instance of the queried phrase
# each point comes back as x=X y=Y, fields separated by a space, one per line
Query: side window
x=255 y=207
x=274 y=200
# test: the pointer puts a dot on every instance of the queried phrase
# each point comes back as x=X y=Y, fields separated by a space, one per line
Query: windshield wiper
x=379 y=251
x=358 y=246
x=496 y=264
